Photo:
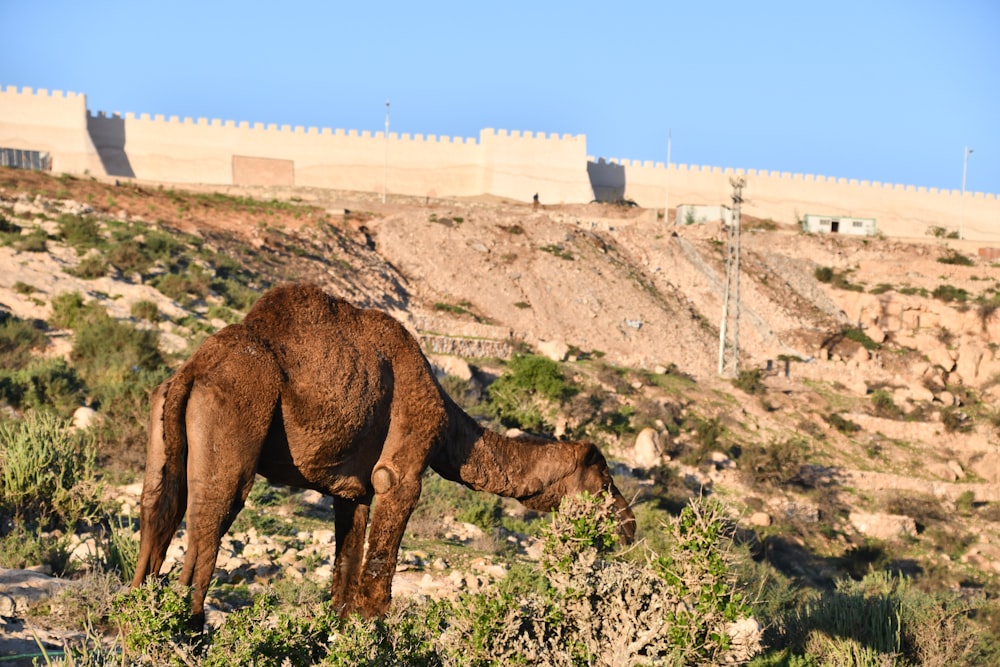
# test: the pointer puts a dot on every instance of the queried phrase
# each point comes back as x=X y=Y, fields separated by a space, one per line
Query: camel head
x=589 y=473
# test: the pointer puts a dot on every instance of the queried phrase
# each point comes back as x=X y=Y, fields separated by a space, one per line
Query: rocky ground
x=477 y=278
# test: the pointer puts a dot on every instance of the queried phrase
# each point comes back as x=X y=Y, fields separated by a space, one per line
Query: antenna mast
x=729 y=328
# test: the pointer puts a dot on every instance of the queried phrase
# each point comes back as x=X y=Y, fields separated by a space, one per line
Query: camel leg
x=222 y=462
x=159 y=516
x=393 y=506
x=351 y=519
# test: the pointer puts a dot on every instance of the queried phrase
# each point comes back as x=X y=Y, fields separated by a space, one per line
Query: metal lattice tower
x=729 y=328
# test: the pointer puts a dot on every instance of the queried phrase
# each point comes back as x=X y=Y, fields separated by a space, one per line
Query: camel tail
x=164 y=490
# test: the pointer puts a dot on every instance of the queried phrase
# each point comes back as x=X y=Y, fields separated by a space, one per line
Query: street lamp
x=965 y=170
x=385 y=163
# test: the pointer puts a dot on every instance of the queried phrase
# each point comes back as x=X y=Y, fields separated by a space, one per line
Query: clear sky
x=880 y=90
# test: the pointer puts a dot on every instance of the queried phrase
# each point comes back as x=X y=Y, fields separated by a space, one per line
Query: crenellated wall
x=54 y=122
x=899 y=210
x=513 y=165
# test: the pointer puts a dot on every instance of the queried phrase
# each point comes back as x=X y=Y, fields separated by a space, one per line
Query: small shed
x=838 y=224
x=692 y=214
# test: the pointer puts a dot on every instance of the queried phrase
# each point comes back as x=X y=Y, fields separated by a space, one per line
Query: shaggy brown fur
x=311 y=392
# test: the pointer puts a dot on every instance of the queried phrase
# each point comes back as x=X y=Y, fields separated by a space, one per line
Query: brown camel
x=312 y=392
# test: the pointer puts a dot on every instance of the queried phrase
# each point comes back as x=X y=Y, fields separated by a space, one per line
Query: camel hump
x=295 y=304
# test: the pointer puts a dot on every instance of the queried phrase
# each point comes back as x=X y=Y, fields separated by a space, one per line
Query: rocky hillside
x=869 y=365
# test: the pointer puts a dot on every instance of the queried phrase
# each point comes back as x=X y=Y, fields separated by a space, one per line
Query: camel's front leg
x=396 y=496
x=351 y=519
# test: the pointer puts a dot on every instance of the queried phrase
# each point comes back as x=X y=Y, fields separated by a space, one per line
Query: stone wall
x=514 y=165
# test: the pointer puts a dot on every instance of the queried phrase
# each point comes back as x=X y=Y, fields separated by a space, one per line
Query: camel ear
x=383 y=479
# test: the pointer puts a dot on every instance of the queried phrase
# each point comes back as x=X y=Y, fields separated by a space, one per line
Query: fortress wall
x=53 y=122
x=514 y=165
x=518 y=165
x=899 y=210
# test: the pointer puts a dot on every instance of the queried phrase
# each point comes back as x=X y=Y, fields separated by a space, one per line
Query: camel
x=312 y=392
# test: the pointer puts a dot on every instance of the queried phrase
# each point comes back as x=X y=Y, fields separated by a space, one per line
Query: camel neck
x=484 y=460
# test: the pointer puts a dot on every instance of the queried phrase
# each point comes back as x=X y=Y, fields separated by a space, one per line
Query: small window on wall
x=22 y=159
x=858 y=224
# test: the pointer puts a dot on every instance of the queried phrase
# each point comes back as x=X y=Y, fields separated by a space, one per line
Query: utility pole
x=385 y=163
x=965 y=170
x=729 y=328
x=666 y=184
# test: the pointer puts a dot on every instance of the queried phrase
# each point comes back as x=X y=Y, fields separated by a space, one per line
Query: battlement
x=508 y=163
x=42 y=92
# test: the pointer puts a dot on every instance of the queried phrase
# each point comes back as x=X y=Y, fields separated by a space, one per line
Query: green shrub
x=596 y=608
x=750 y=381
x=119 y=551
x=18 y=341
x=80 y=232
x=266 y=636
x=776 y=464
x=120 y=436
x=841 y=423
x=883 y=404
x=108 y=351
x=955 y=258
x=235 y=295
x=708 y=435
x=859 y=336
x=183 y=283
x=47 y=473
x=69 y=309
x=25 y=547
x=525 y=396
x=883 y=618
x=129 y=257
x=46 y=384
x=956 y=420
x=483 y=510
x=824 y=274
x=941 y=232
x=90 y=267
x=949 y=293
x=34 y=241
x=9 y=228
x=154 y=623
x=145 y=310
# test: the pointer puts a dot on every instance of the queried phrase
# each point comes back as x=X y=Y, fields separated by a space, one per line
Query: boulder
x=555 y=350
x=883 y=526
x=84 y=418
x=22 y=589
x=450 y=365
x=647 y=451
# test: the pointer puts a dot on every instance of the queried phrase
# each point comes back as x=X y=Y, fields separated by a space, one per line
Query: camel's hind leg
x=159 y=515
x=224 y=444
x=351 y=518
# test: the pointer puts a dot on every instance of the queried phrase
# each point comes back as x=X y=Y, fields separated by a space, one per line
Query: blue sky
x=879 y=90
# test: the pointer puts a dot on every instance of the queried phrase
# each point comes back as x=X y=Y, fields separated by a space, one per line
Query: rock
x=554 y=349
x=22 y=589
x=745 y=637
x=323 y=536
x=760 y=519
x=883 y=526
x=450 y=365
x=647 y=451
x=84 y=418
x=317 y=499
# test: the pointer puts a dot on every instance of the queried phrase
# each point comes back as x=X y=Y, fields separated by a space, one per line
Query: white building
x=833 y=224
